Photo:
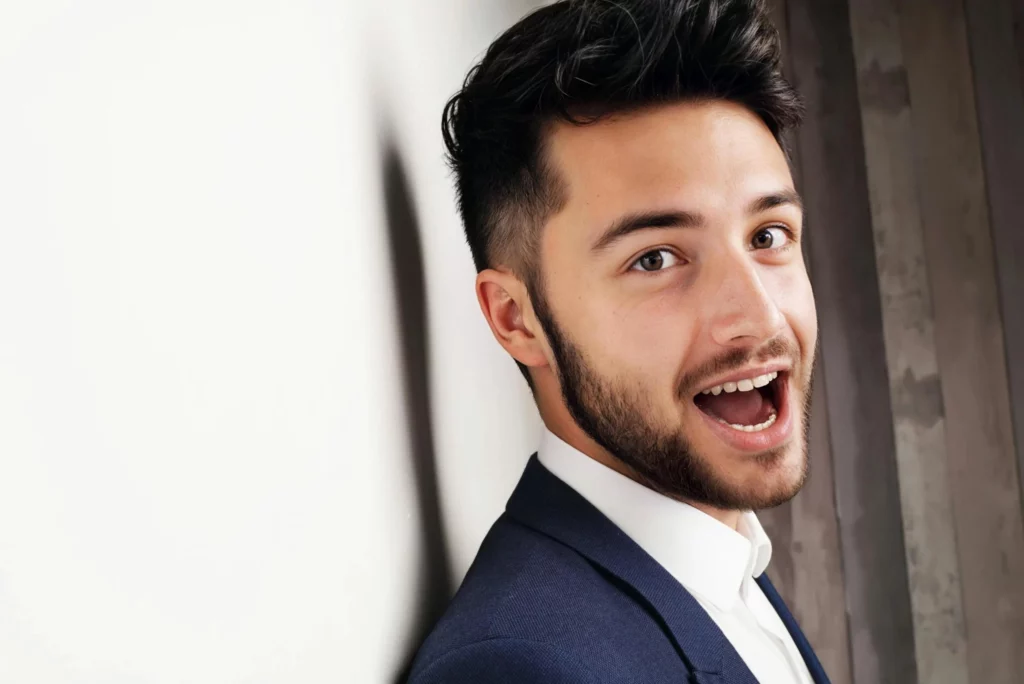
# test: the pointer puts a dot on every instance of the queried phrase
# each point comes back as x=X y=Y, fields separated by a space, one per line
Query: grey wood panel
x=777 y=10
x=999 y=93
x=807 y=559
x=778 y=521
x=818 y=586
x=915 y=385
x=969 y=336
x=853 y=352
x=1018 y=30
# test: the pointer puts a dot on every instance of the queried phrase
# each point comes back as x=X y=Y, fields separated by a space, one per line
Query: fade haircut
x=579 y=61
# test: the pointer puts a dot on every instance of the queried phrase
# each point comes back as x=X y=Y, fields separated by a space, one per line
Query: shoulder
x=504 y=660
x=528 y=601
x=532 y=609
x=523 y=584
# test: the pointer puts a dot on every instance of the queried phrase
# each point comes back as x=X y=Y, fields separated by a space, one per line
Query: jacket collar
x=712 y=560
x=802 y=645
x=546 y=504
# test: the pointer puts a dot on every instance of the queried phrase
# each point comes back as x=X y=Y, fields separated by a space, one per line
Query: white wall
x=204 y=461
x=485 y=420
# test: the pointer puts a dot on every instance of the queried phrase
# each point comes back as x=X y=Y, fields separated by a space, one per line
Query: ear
x=505 y=304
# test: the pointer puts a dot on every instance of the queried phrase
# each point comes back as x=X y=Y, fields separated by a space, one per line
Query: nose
x=742 y=312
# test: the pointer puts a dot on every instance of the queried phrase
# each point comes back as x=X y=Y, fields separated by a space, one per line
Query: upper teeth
x=742 y=385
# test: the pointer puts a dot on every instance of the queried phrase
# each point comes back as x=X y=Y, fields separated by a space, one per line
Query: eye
x=655 y=260
x=770 y=237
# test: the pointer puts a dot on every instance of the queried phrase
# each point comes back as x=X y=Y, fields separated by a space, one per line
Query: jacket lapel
x=813 y=665
x=546 y=504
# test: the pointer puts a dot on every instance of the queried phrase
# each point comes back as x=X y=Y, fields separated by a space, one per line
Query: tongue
x=738 y=408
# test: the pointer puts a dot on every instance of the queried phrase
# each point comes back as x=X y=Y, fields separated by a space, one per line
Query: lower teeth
x=752 y=428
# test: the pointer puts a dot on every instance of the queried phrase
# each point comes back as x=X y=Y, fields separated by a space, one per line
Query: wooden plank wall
x=1018 y=30
x=904 y=555
x=1000 y=106
x=807 y=558
x=914 y=385
x=969 y=335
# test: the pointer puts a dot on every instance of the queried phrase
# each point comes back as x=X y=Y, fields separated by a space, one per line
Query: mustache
x=773 y=350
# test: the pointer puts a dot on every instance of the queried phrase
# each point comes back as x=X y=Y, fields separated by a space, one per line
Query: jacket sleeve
x=504 y=661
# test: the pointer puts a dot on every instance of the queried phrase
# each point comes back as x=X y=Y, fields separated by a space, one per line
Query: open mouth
x=747 y=405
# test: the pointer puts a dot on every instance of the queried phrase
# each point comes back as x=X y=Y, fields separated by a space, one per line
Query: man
x=637 y=234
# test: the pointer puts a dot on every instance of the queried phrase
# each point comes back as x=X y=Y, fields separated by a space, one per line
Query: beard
x=619 y=417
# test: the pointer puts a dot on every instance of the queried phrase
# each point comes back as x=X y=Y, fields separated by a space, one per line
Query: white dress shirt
x=715 y=563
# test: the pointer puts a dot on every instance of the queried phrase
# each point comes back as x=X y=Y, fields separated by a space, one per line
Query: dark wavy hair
x=579 y=61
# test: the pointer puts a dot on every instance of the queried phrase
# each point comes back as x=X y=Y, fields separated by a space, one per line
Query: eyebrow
x=776 y=199
x=631 y=223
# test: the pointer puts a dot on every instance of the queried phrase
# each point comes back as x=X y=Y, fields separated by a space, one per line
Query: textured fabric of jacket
x=559 y=594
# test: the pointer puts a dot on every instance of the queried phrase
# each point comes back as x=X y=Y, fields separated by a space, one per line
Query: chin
x=777 y=476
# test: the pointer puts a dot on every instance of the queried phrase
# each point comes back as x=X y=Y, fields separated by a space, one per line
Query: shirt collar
x=710 y=559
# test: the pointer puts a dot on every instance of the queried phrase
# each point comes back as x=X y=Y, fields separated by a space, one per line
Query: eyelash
x=790 y=235
x=657 y=250
x=790 y=243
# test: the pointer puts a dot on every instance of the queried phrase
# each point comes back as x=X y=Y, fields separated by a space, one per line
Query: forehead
x=706 y=156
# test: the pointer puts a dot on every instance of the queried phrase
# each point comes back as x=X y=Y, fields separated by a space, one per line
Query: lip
x=770 y=438
x=749 y=373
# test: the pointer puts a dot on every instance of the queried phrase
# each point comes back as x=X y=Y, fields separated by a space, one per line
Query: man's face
x=671 y=289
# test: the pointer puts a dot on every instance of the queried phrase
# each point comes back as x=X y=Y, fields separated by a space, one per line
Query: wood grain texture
x=914 y=381
x=807 y=557
x=853 y=351
x=1018 y=34
x=999 y=93
x=819 y=589
x=778 y=521
x=969 y=336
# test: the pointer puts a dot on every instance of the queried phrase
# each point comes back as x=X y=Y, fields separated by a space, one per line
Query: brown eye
x=652 y=261
x=655 y=260
x=767 y=238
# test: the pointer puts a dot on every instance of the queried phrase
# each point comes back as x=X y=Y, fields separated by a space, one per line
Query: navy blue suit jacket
x=559 y=594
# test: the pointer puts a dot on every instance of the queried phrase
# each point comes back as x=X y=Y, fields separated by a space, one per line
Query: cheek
x=795 y=299
x=645 y=341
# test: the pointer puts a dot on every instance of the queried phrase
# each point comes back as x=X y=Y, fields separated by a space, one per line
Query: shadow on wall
x=434 y=580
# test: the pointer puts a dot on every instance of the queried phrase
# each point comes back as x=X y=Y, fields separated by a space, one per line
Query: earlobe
x=503 y=300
